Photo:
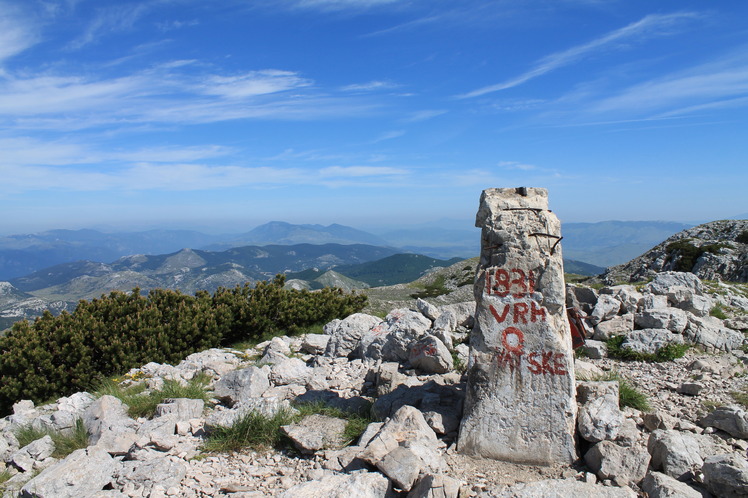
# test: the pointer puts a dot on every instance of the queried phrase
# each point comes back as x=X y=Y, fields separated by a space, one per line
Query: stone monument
x=520 y=402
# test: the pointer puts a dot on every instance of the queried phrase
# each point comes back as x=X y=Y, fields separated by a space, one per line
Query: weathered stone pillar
x=520 y=402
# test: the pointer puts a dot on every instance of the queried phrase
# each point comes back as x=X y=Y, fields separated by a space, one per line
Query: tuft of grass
x=5 y=475
x=357 y=422
x=628 y=395
x=65 y=442
x=459 y=365
x=257 y=431
x=718 y=312
x=142 y=404
x=253 y=430
x=668 y=352
x=741 y=397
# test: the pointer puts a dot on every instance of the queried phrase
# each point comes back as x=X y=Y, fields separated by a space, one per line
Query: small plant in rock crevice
x=668 y=352
x=628 y=395
x=259 y=431
x=143 y=404
x=65 y=442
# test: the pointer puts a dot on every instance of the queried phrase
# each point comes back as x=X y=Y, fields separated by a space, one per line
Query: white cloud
x=342 y=4
x=649 y=26
x=514 y=165
x=16 y=33
x=110 y=20
x=253 y=83
x=388 y=136
x=424 y=115
x=716 y=84
x=369 y=87
x=361 y=171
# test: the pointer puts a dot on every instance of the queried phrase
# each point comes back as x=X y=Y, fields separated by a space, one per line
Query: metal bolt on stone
x=520 y=402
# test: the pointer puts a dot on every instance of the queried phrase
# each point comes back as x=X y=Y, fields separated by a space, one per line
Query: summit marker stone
x=520 y=402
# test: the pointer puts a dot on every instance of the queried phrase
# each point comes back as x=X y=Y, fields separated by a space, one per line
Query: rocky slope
x=715 y=251
x=406 y=368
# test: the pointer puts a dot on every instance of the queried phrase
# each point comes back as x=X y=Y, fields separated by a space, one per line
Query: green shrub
x=65 y=442
x=741 y=397
x=668 y=352
x=434 y=289
x=57 y=356
x=742 y=237
x=686 y=254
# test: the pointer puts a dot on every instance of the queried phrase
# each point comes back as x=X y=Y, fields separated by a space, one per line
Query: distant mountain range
x=600 y=244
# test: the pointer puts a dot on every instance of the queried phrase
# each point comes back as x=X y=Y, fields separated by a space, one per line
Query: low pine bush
x=58 y=355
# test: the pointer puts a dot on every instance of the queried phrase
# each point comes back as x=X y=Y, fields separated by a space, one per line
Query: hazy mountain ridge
x=601 y=244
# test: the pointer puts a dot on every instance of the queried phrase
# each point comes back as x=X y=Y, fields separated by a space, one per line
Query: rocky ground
x=407 y=371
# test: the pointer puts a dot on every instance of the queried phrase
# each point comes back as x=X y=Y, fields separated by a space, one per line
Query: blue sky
x=222 y=115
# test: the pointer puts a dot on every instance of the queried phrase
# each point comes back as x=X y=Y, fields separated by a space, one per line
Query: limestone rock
x=316 y=432
x=107 y=415
x=427 y=309
x=83 y=473
x=586 y=370
x=435 y=486
x=731 y=419
x=359 y=484
x=649 y=341
x=708 y=332
x=345 y=334
x=726 y=476
x=664 y=282
x=391 y=340
x=600 y=419
x=290 y=371
x=606 y=308
x=622 y=464
x=430 y=355
x=407 y=424
x=180 y=408
x=658 y=485
x=315 y=343
x=237 y=385
x=596 y=349
x=520 y=400
x=672 y=319
x=28 y=457
x=560 y=488
x=618 y=325
x=676 y=453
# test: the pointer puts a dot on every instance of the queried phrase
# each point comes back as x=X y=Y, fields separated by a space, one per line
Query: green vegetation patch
x=741 y=397
x=718 y=312
x=742 y=237
x=260 y=432
x=65 y=442
x=685 y=254
x=668 y=352
x=628 y=395
x=59 y=355
x=143 y=404
x=253 y=430
x=434 y=289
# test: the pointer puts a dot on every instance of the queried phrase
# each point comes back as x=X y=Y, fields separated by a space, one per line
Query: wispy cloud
x=369 y=86
x=650 y=26
x=109 y=20
x=361 y=171
x=16 y=32
x=514 y=165
x=713 y=85
x=424 y=115
x=167 y=94
x=342 y=4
